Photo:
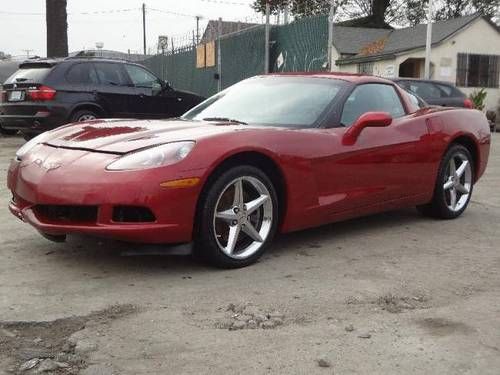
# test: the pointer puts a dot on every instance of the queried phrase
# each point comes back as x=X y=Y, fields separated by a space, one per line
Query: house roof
x=228 y=27
x=372 y=44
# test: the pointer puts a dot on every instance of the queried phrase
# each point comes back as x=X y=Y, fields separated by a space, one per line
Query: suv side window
x=82 y=73
x=371 y=97
x=111 y=74
x=141 y=77
x=425 y=90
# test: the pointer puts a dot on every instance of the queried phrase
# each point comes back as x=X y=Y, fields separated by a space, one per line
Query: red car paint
x=328 y=174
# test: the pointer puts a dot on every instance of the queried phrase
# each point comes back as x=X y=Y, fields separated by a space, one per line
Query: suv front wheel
x=83 y=115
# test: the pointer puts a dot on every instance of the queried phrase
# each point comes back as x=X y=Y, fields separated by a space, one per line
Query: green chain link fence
x=298 y=46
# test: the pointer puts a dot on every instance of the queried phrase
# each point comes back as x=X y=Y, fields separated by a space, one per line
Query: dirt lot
x=388 y=294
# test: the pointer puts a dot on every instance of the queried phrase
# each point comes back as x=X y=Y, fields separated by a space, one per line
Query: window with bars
x=365 y=68
x=478 y=70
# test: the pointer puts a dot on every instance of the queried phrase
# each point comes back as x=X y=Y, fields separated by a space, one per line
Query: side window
x=372 y=97
x=426 y=90
x=81 y=74
x=141 y=77
x=111 y=74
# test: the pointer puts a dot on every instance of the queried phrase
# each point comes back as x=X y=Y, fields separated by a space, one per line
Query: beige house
x=465 y=51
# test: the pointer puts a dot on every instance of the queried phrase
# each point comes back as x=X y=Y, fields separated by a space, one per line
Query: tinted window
x=82 y=73
x=275 y=101
x=371 y=98
x=141 y=77
x=111 y=74
x=29 y=75
x=450 y=91
x=425 y=90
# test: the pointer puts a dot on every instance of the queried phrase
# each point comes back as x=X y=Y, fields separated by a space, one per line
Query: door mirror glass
x=157 y=88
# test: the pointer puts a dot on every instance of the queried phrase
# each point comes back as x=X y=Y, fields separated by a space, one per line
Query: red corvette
x=272 y=153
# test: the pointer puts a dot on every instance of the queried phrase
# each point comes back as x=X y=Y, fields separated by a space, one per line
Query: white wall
x=479 y=37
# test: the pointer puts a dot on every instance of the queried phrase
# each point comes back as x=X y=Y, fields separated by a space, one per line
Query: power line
x=73 y=13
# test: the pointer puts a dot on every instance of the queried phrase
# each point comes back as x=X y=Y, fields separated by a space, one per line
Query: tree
x=380 y=13
x=57 y=28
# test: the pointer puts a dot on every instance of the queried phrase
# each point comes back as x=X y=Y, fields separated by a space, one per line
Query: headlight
x=29 y=145
x=157 y=156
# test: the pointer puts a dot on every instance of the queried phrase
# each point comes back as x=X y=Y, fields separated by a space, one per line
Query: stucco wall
x=479 y=37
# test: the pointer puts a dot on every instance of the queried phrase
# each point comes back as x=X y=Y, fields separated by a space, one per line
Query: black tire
x=28 y=136
x=438 y=207
x=206 y=244
x=83 y=115
x=7 y=132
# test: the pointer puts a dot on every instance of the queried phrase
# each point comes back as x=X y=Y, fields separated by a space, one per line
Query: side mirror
x=367 y=120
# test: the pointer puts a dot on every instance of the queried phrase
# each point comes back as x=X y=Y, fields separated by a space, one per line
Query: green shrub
x=478 y=97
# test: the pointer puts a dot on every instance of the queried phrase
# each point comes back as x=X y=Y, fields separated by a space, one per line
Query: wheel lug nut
x=234 y=222
x=236 y=210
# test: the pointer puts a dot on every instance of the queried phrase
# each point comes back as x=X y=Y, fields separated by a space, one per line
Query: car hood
x=122 y=136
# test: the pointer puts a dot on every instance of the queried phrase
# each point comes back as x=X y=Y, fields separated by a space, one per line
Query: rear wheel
x=238 y=218
x=83 y=115
x=454 y=185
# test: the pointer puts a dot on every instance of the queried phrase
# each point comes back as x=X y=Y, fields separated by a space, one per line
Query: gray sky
x=118 y=31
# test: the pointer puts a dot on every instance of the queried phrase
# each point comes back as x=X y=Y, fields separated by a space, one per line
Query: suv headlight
x=157 y=156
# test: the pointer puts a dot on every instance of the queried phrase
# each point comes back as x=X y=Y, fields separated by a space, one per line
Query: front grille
x=67 y=214
x=131 y=214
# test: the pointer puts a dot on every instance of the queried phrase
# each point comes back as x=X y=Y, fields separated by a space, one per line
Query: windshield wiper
x=225 y=119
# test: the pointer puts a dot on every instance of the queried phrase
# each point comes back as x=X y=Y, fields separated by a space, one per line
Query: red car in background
x=272 y=153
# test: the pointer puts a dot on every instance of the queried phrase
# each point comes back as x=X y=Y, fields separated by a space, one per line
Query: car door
x=114 y=92
x=154 y=99
x=384 y=164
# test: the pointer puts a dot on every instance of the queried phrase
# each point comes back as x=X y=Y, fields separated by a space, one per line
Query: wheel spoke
x=249 y=229
x=227 y=215
x=462 y=189
x=461 y=169
x=453 y=198
x=448 y=185
x=453 y=167
x=234 y=233
x=238 y=193
x=256 y=203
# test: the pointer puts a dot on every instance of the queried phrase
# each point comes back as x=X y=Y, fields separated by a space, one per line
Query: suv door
x=155 y=100
x=114 y=92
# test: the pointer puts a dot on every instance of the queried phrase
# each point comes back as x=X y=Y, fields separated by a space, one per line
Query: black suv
x=44 y=94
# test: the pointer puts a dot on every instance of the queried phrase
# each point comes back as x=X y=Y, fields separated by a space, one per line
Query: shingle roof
x=227 y=28
x=354 y=40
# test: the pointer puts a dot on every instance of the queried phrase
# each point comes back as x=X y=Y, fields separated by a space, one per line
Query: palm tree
x=57 y=28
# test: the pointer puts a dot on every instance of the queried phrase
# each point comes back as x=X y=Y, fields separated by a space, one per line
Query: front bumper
x=60 y=177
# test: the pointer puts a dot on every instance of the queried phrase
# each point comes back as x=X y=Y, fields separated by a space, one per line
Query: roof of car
x=350 y=77
x=55 y=61
x=398 y=79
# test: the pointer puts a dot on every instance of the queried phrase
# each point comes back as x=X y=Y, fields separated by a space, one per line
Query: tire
x=250 y=219
x=84 y=115
x=460 y=184
x=28 y=136
x=7 y=132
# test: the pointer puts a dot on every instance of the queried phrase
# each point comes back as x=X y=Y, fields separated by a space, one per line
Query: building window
x=365 y=68
x=478 y=70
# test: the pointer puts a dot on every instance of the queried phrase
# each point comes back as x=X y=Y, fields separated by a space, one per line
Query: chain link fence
x=299 y=46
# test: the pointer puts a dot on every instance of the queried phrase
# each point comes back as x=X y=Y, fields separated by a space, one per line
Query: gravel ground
x=394 y=293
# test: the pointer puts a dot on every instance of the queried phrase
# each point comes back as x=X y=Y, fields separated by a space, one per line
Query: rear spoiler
x=38 y=64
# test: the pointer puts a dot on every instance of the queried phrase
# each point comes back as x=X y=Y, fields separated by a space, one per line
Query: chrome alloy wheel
x=86 y=117
x=458 y=182
x=243 y=217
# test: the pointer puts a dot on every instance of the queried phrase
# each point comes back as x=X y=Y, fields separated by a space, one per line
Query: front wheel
x=238 y=218
x=83 y=115
x=454 y=185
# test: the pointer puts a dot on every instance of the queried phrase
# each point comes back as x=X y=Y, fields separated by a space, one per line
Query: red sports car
x=271 y=153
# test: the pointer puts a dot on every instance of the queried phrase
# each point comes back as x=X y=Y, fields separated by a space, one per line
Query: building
x=228 y=27
x=465 y=51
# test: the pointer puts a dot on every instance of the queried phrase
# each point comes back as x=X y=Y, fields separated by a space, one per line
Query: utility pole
x=286 y=14
x=428 y=44
x=330 y=35
x=144 y=26
x=219 y=55
x=268 y=33
x=198 y=29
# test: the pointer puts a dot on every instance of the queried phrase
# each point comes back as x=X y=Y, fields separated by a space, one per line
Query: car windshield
x=272 y=101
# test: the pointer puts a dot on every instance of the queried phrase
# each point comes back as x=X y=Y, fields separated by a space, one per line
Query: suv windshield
x=29 y=75
x=273 y=101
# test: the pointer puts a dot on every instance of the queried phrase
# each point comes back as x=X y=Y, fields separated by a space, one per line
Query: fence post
x=330 y=36
x=268 y=29
x=219 y=55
